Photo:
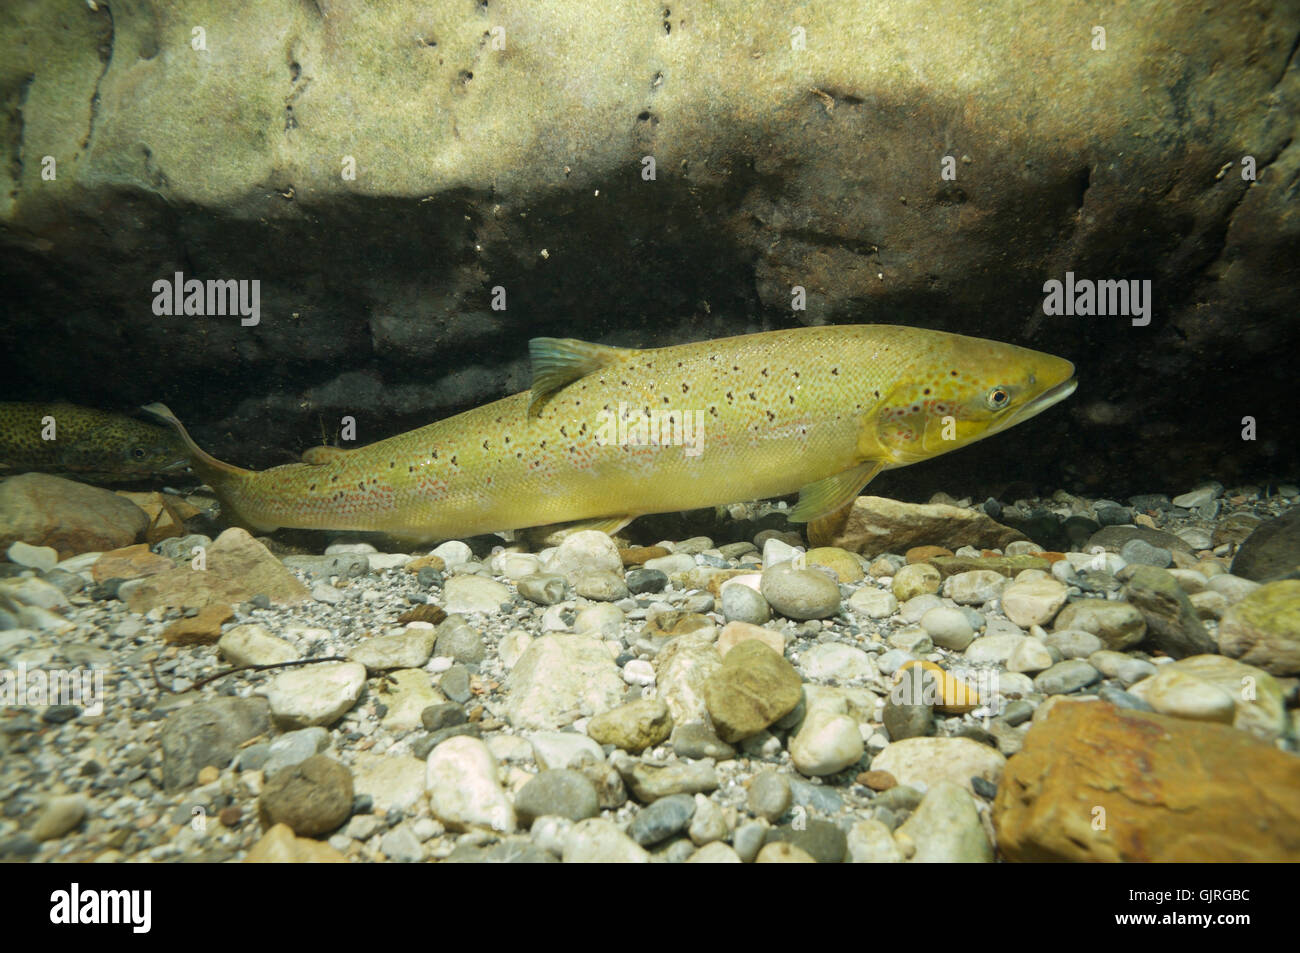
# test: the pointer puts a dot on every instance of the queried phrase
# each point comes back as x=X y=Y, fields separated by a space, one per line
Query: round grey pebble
x=544 y=590
x=984 y=788
x=458 y=640
x=740 y=603
x=557 y=793
x=437 y=717
x=646 y=580
x=455 y=683
x=769 y=795
x=800 y=594
x=1122 y=699
x=429 y=578
x=1065 y=677
x=1142 y=553
x=696 y=740
x=662 y=819
x=748 y=840
x=817 y=797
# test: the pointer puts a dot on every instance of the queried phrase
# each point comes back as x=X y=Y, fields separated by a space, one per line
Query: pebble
x=781 y=852
x=914 y=609
x=650 y=782
x=463 y=790
x=294 y=747
x=924 y=762
x=315 y=694
x=253 y=644
x=312 y=797
x=544 y=590
x=695 y=739
x=662 y=819
x=1182 y=695
x=994 y=649
x=873 y=603
x=826 y=744
x=560 y=678
x=601 y=586
x=734 y=633
x=1134 y=670
x=633 y=727
x=907 y=721
x=410 y=649
x=946 y=828
x=556 y=793
x=715 y=853
x=208 y=733
x=948 y=628
x=639 y=672
x=1122 y=699
x=800 y=593
x=915 y=580
x=1119 y=625
x=740 y=603
x=458 y=640
x=475 y=594
x=753 y=688
x=455 y=683
x=1065 y=677
x=598 y=841
x=975 y=587
x=824 y=842
x=60 y=816
x=871 y=842
x=1141 y=553
x=1033 y=601
x=835 y=660
x=708 y=823
x=1073 y=643
x=912 y=640
x=402 y=846
x=564 y=749
x=453 y=553
x=642 y=580
x=42 y=558
x=769 y=795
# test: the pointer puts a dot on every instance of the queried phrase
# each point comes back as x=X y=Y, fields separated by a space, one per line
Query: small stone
x=559 y=679
x=1137 y=552
x=946 y=828
x=633 y=727
x=463 y=789
x=1066 y=677
x=60 y=815
x=313 y=797
x=292 y=748
x=877 y=780
x=597 y=841
x=926 y=761
x=557 y=793
x=1033 y=602
x=733 y=633
x=643 y=580
x=708 y=824
x=43 y=558
x=564 y=749
x=715 y=853
x=253 y=644
x=662 y=819
x=948 y=628
x=994 y=649
x=752 y=689
x=1263 y=629
x=800 y=593
x=838 y=661
x=201 y=629
x=1172 y=623
x=696 y=740
x=410 y=649
x=315 y=694
x=475 y=594
x=841 y=562
x=741 y=603
x=401 y=846
x=1119 y=625
x=871 y=842
x=975 y=587
x=780 y=852
x=455 y=683
x=821 y=840
x=915 y=580
x=769 y=795
x=208 y=733
x=649 y=783
x=873 y=603
x=1183 y=695
x=458 y=640
x=280 y=846
x=826 y=744
x=1073 y=643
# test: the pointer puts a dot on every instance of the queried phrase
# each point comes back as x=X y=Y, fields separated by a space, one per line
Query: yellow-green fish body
x=819 y=410
x=92 y=444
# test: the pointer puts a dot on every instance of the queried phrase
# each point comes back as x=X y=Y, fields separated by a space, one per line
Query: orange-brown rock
x=919 y=554
x=201 y=629
x=1098 y=783
x=72 y=517
x=238 y=567
x=129 y=562
x=422 y=562
x=637 y=555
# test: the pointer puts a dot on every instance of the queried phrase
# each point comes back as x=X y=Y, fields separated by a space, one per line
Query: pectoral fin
x=558 y=362
x=828 y=496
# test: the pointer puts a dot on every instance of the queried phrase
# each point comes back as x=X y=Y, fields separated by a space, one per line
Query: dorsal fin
x=558 y=362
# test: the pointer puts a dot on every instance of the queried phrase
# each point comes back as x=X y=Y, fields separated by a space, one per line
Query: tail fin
x=208 y=466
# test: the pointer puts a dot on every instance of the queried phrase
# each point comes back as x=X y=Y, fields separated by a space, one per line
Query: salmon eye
x=998 y=398
x=138 y=453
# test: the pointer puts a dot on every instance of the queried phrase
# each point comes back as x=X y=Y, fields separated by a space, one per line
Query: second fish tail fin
x=209 y=467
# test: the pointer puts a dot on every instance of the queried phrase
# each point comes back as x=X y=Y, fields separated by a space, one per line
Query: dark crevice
x=16 y=125
x=107 y=36
x=822 y=240
x=1290 y=57
x=1082 y=182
